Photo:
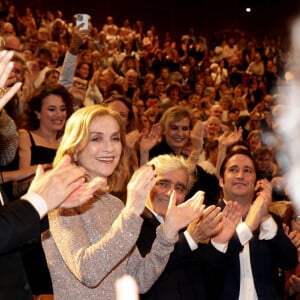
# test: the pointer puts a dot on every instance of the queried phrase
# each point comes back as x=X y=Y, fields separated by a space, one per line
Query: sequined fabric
x=89 y=247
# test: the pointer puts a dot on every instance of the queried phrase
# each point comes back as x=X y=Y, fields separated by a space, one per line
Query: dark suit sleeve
x=19 y=224
x=181 y=249
x=282 y=247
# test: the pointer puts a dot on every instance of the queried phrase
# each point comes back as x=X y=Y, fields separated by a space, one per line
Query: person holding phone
x=78 y=38
x=82 y=21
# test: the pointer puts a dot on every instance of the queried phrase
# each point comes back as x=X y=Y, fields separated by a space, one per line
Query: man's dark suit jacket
x=189 y=274
x=266 y=256
x=19 y=225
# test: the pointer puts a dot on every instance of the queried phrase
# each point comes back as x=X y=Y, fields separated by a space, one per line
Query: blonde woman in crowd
x=90 y=247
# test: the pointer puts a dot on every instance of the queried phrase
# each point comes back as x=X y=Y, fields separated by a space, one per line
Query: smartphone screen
x=82 y=18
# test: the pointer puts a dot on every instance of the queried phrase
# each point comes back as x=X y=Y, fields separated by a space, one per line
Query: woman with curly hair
x=43 y=124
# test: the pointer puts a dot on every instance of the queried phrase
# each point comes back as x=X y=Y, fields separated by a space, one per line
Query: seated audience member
x=97 y=88
x=152 y=101
x=256 y=67
x=145 y=123
x=123 y=106
x=233 y=117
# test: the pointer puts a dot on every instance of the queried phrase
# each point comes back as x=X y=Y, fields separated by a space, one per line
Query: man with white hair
x=190 y=272
x=215 y=110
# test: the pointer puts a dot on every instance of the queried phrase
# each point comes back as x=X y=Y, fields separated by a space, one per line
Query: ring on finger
x=2 y=91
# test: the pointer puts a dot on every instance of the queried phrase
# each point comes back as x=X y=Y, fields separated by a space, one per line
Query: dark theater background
x=206 y=16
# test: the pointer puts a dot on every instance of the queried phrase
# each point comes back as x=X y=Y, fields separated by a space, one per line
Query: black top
x=208 y=183
x=33 y=256
x=161 y=148
x=204 y=181
x=40 y=154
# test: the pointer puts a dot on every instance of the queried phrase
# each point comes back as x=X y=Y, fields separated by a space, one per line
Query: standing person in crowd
x=256 y=67
x=195 y=259
x=292 y=279
x=123 y=106
x=213 y=129
x=176 y=135
x=39 y=66
x=55 y=54
x=83 y=70
x=84 y=262
x=51 y=77
x=15 y=106
x=175 y=124
x=20 y=219
x=208 y=166
x=44 y=122
x=215 y=110
x=254 y=140
x=260 y=245
x=267 y=166
x=78 y=38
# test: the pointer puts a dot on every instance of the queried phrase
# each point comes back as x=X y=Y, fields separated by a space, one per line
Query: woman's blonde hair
x=76 y=138
x=172 y=115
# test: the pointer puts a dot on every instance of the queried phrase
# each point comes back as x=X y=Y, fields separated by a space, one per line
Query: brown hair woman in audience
x=44 y=121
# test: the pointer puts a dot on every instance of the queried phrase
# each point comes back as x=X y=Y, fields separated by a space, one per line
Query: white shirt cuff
x=244 y=233
x=37 y=202
x=220 y=247
x=268 y=229
x=190 y=241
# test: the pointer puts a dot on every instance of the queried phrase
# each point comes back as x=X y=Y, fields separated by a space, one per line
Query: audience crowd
x=199 y=98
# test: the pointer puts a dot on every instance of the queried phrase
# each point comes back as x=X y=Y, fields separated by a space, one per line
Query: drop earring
x=75 y=158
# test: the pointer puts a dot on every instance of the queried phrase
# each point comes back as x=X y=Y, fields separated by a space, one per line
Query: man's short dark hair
x=235 y=152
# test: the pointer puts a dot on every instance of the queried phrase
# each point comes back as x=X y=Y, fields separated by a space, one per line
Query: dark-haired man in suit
x=260 y=247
